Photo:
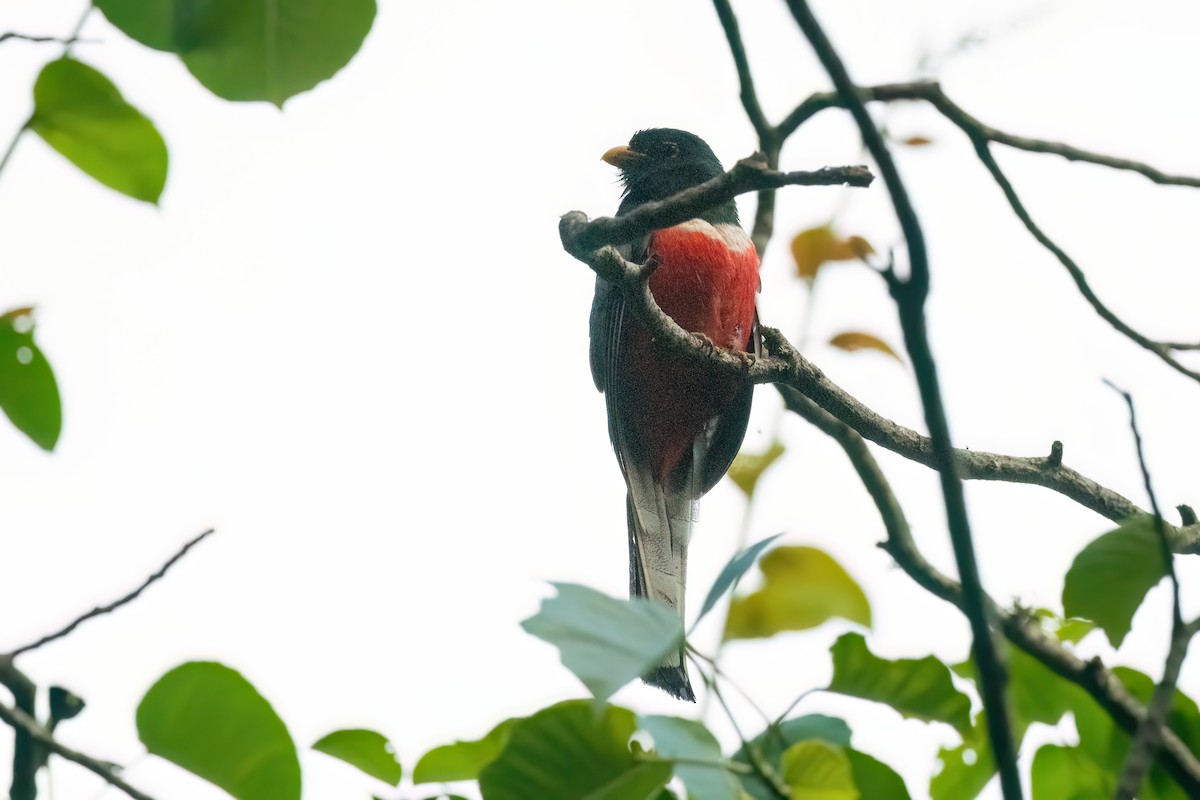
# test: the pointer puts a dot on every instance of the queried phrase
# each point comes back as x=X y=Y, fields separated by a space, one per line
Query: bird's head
x=660 y=162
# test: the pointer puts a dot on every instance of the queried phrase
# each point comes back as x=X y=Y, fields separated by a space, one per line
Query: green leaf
x=1066 y=773
x=369 y=751
x=772 y=742
x=747 y=468
x=250 y=49
x=28 y=391
x=1109 y=578
x=684 y=738
x=1074 y=630
x=733 y=572
x=1035 y=693
x=966 y=769
x=462 y=761
x=1107 y=745
x=80 y=113
x=606 y=642
x=802 y=588
x=818 y=770
x=576 y=749
x=208 y=719
x=873 y=778
x=919 y=688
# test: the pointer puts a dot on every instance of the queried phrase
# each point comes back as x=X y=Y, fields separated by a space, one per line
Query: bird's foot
x=707 y=344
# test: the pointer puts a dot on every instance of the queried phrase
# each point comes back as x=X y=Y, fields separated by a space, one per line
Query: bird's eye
x=669 y=149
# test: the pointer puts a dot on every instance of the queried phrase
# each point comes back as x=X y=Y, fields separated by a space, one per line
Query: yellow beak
x=622 y=157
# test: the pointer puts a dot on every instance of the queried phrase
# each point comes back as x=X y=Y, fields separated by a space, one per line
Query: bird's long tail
x=660 y=524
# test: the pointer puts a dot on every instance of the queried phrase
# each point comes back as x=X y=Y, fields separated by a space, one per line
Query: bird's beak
x=622 y=157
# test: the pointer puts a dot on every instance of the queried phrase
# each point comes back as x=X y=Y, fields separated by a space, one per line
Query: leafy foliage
x=1110 y=577
x=685 y=738
x=463 y=761
x=817 y=770
x=250 y=49
x=574 y=749
x=211 y=721
x=769 y=746
x=802 y=588
x=369 y=751
x=747 y=468
x=81 y=114
x=919 y=688
x=606 y=642
x=814 y=247
x=732 y=572
x=28 y=390
x=852 y=341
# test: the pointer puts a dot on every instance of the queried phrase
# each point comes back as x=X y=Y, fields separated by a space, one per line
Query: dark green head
x=660 y=162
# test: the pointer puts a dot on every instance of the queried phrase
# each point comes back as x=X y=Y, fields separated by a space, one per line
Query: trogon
x=675 y=424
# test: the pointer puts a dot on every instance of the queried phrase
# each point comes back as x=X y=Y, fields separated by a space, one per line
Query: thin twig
x=719 y=673
x=764 y=771
x=21 y=721
x=24 y=37
x=99 y=610
x=910 y=295
x=1149 y=732
x=12 y=145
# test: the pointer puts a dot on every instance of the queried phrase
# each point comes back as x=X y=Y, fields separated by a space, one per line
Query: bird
x=675 y=425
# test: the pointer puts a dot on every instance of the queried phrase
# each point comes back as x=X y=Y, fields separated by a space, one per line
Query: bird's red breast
x=706 y=280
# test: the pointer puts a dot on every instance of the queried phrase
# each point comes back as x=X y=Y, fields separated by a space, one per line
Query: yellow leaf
x=747 y=468
x=917 y=141
x=811 y=249
x=857 y=340
x=802 y=588
x=860 y=247
x=816 y=246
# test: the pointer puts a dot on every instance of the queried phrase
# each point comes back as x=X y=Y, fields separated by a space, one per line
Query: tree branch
x=24 y=723
x=981 y=136
x=129 y=598
x=748 y=95
x=1091 y=676
x=910 y=295
x=747 y=175
x=1149 y=731
x=770 y=141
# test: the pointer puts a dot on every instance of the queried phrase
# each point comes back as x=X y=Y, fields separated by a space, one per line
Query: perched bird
x=675 y=425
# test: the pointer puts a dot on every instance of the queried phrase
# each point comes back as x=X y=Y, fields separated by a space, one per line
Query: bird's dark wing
x=727 y=430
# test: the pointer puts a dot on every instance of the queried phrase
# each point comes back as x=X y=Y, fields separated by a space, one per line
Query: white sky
x=349 y=340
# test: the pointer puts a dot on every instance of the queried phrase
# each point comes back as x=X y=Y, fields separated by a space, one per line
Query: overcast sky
x=349 y=340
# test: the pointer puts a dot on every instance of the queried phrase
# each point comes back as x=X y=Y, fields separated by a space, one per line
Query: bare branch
x=95 y=612
x=1160 y=349
x=749 y=96
x=747 y=175
x=21 y=721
